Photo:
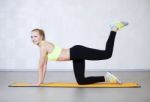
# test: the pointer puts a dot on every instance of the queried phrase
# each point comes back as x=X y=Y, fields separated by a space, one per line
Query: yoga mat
x=75 y=85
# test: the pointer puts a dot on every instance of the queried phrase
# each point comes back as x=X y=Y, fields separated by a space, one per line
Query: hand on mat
x=37 y=84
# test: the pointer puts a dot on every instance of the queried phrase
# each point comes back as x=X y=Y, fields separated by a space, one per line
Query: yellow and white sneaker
x=111 y=78
x=118 y=25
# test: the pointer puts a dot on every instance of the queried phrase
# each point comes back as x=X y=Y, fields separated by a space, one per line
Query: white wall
x=71 y=22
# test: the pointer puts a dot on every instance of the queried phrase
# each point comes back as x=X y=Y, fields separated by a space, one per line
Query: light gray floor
x=47 y=94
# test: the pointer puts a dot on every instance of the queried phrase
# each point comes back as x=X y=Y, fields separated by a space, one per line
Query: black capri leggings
x=79 y=54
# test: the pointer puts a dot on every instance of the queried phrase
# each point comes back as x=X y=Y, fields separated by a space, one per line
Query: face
x=36 y=37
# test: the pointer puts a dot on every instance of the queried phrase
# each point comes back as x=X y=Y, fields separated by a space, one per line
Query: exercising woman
x=78 y=54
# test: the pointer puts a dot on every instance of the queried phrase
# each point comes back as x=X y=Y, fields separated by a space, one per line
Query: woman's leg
x=82 y=52
x=79 y=53
x=79 y=69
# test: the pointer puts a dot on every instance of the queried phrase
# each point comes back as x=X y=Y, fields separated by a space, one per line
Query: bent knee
x=81 y=82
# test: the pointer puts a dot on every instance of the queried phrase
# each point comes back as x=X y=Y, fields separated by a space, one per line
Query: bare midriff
x=64 y=55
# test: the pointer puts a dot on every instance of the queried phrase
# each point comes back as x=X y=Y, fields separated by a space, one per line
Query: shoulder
x=46 y=46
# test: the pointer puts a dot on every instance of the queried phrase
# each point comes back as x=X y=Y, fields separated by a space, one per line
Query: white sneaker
x=111 y=78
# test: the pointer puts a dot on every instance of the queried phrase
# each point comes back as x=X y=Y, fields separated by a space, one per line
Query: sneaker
x=118 y=25
x=111 y=78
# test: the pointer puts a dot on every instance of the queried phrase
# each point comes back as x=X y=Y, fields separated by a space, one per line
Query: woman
x=78 y=54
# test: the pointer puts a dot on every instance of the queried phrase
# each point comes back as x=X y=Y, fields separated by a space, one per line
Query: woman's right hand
x=36 y=84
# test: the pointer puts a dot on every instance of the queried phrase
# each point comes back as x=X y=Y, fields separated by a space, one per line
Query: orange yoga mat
x=75 y=85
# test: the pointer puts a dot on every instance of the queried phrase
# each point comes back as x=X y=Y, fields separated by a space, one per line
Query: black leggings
x=79 y=54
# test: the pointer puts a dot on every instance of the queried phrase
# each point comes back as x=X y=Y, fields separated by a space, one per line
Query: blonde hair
x=41 y=32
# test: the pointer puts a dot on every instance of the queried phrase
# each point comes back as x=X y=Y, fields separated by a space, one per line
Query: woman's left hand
x=37 y=84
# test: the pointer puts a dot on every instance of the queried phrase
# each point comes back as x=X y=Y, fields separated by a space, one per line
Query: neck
x=41 y=42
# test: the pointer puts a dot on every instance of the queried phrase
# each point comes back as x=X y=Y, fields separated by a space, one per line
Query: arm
x=44 y=69
x=42 y=65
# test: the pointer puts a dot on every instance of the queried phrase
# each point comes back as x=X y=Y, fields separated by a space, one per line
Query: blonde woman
x=77 y=54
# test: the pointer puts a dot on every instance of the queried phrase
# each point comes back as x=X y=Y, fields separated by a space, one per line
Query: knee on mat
x=81 y=82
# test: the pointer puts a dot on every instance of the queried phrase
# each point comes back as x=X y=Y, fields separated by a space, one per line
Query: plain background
x=71 y=22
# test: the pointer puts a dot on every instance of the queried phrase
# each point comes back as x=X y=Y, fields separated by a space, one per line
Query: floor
x=48 y=94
